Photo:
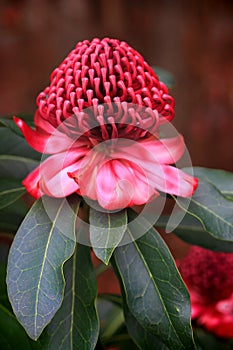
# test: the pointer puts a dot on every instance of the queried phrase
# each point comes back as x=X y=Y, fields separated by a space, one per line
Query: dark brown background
x=191 y=39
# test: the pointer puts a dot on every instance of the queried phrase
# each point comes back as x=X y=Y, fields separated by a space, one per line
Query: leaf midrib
x=155 y=285
x=73 y=299
x=18 y=158
x=212 y=212
x=106 y=257
x=12 y=190
x=43 y=266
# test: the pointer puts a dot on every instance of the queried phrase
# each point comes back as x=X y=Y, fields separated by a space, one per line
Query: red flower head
x=209 y=277
x=105 y=91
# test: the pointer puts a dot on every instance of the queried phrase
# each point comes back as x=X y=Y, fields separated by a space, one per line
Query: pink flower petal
x=60 y=185
x=55 y=180
x=85 y=176
x=165 y=151
x=51 y=176
x=162 y=177
x=138 y=184
x=171 y=180
x=112 y=193
x=120 y=184
x=217 y=322
x=44 y=142
x=43 y=125
x=31 y=183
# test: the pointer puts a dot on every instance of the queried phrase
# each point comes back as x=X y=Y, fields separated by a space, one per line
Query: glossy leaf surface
x=154 y=291
x=76 y=324
x=106 y=232
x=35 y=277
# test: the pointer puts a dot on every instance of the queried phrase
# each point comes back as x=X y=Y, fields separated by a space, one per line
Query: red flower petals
x=102 y=72
x=102 y=95
x=209 y=277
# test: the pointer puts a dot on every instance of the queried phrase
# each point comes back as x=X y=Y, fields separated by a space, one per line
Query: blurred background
x=191 y=39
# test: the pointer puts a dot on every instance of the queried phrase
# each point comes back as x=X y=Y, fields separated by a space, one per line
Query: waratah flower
x=209 y=278
x=101 y=95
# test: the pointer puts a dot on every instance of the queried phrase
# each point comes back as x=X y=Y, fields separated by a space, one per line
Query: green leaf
x=164 y=76
x=143 y=339
x=76 y=324
x=12 y=334
x=34 y=278
x=155 y=293
x=191 y=231
x=221 y=179
x=106 y=232
x=111 y=318
x=5 y=243
x=3 y=291
x=113 y=298
x=207 y=341
x=15 y=145
x=9 y=123
x=10 y=191
x=15 y=166
x=121 y=341
x=212 y=209
x=12 y=216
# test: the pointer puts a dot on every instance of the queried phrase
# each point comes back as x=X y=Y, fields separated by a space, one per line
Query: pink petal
x=138 y=183
x=55 y=180
x=105 y=184
x=162 y=177
x=120 y=184
x=44 y=142
x=164 y=151
x=112 y=194
x=51 y=176
x=60 y=185
x=171 y=180
x=31 y=183
x=217 y=322
x=43 y=125
x=85 y=177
